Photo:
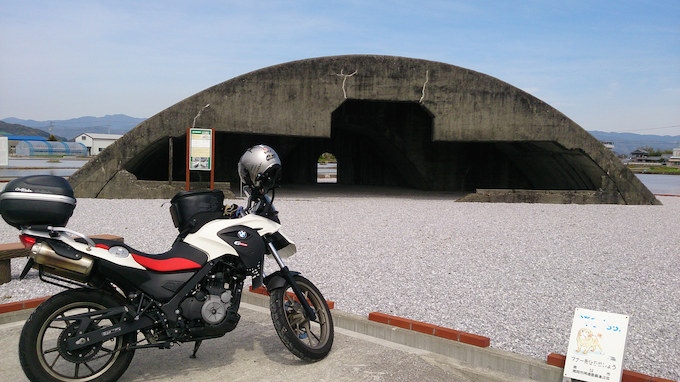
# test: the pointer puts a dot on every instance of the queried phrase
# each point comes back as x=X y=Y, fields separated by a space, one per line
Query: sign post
x=201 y=152
x=596 y=346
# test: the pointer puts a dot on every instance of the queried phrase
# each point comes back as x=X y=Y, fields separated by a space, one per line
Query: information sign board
x=200 y=149
x=596 y=346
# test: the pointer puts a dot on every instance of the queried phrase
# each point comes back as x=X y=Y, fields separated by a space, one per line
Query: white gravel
x=511 y=272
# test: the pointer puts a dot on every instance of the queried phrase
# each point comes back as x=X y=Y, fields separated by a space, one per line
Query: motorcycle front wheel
x=42 y=345
x=306 y=339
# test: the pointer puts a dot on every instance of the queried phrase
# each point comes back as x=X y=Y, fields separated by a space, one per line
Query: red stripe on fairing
x=102 y=246
x=166 y=265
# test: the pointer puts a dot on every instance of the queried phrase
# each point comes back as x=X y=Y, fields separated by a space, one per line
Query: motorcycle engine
x=209 y=305
x=214 y=309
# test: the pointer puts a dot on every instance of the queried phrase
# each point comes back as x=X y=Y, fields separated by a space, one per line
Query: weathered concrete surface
x=537 y=196
x=390 y=120
x=126 y=185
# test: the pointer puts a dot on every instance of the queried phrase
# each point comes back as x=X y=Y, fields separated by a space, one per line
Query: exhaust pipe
x=52 y=262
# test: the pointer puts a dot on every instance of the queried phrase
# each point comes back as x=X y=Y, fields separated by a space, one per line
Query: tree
x=656 y=152
x=327 y=157
x=52 y=138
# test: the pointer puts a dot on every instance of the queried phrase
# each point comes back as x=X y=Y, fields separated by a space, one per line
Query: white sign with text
x=596 y=346
x=200 y=149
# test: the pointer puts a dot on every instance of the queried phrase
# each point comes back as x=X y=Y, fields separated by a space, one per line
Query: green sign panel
x=200 y=149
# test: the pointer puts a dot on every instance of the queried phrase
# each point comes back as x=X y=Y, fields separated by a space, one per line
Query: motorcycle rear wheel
x=42 y=351
x=308 y=340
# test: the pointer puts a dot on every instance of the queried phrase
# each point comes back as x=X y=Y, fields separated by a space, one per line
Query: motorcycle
x=119 y=299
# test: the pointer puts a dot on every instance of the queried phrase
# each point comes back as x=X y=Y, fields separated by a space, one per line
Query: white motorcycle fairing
x=212 y=239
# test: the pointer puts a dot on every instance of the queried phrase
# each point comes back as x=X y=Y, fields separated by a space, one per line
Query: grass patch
x=656 y=170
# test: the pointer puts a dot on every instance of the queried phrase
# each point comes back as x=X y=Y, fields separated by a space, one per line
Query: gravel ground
x=511 y=272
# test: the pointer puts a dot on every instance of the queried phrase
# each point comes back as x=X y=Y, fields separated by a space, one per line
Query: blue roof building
x=25 y=138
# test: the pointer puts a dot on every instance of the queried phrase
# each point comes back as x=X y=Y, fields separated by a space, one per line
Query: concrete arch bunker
x=393 y=122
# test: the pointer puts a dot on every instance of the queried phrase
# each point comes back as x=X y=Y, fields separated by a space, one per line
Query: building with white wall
x=96 y=143
x=675 y=159
x=4 y=151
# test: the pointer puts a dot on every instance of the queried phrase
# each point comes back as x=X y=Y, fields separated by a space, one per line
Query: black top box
x=37 y=200
x=186 y=204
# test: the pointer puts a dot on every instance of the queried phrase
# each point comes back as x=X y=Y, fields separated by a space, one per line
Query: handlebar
x=260 y=204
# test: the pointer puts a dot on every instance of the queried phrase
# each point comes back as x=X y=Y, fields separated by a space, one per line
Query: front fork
x=288 y=276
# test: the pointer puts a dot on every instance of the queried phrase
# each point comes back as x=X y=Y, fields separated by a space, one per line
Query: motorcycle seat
x=181 y=256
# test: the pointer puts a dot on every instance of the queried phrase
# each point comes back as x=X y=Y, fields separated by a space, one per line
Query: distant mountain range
x=71 y=128
x=14 y=129
x=624 y=143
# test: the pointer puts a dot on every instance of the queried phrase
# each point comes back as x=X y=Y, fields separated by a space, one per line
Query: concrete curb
x=628 y=376
x=19 y=310
x=424 y=327
x=263 y=291
x=477 y=361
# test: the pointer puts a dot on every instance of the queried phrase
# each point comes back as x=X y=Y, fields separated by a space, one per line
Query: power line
x=650 y=128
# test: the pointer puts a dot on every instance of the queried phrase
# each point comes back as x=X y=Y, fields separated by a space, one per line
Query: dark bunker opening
x=387 y=143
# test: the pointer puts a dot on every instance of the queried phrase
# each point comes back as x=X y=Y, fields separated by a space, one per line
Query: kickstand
x=197 y=345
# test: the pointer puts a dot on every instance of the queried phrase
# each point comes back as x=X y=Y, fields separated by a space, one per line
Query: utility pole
x=51 y=137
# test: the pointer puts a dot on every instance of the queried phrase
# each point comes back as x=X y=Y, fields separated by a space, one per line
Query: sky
x=607 y=65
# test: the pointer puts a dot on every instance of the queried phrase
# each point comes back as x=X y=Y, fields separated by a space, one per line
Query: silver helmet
x=260 y=166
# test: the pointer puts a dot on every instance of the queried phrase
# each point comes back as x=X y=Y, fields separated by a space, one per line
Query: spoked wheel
x=309 y=340
x=43 y=352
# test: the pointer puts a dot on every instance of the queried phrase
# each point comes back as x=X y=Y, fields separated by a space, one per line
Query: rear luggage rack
x=89 y=241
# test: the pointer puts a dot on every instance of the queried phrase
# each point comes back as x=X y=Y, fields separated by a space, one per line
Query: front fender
x=276 y=280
